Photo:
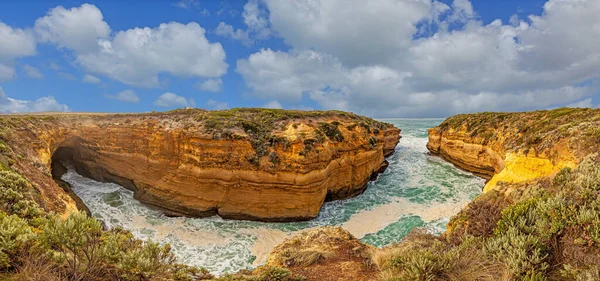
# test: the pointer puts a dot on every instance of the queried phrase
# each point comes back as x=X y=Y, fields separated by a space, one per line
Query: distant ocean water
x=417 y=190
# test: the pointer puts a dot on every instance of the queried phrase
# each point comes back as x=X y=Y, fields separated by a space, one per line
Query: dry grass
x=36 y=267
x=303 y=258
x=422 y=256
x=474 y=266
x=382 y=256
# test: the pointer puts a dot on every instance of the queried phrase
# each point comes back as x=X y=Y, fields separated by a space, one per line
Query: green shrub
x=331 y=130
x=520 y=216
x=587 y=273
x=16 y=198
x=372 y=142
x=15 y=235
x=521 y=253
x=562 y=176
x=75 y=242
x=5 y=149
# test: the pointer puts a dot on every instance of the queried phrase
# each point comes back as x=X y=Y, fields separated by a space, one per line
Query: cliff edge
x=256 y=164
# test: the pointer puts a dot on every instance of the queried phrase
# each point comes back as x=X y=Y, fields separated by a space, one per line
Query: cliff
x=257 y=164
x=517 y=147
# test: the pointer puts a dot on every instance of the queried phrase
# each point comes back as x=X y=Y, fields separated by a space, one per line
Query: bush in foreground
x=39 y=246
x=552 y=232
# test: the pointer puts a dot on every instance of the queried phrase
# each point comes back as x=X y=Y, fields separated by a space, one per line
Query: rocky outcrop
x=257 y=164
x=517 y=147
x=326 y=253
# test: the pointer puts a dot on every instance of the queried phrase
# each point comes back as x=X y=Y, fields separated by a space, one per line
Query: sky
x=380 y=58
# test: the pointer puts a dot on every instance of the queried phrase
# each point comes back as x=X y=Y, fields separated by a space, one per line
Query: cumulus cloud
x=355 y=31
x=90 y=79
x=169 y=99
x=135 y=56
x=283 y=75
x=386 y=65
x=78 y=28
x=10 y=105
x=126 y=96
x=16 y=43
x=227 y=30
x=210 y=85
x=32 y=71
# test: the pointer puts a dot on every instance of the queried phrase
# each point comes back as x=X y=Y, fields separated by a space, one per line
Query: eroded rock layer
x=517 y=147
x=269 y=165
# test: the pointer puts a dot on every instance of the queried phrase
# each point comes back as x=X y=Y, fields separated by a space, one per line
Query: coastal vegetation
x=550 y=231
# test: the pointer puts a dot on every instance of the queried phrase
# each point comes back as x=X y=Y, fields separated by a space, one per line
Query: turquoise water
x=417 y=190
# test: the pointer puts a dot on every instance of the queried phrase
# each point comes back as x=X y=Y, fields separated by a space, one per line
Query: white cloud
x=169 y=99
x=282 y=75
x=10 y=105
x=377 y=66
x=256 y=20
x=91 y=79
x=355 y=31
x=135 y=56
x=126 y=96
x=227 y=30
x=78 y=28
x=462 y=11
x=217 y=105
x=211 y=85
x=16 y=43
x=32 y=71
x=273 y=104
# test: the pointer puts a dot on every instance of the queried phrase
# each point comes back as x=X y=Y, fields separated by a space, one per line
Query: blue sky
x=388 y=58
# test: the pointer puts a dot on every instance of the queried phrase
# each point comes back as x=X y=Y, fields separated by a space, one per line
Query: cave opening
x=63 y=155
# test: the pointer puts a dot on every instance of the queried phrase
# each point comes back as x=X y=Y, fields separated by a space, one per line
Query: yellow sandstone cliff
x=258 y=164
x=517 y=147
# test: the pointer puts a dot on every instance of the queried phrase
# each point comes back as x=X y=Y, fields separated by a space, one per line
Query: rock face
x=256 y=164
x=517 y=147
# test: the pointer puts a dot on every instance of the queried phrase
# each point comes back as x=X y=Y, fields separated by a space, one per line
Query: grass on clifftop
x=549 y=230
x=260 y=126
x=537 y=130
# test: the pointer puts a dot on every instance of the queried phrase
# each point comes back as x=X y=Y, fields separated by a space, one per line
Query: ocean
x=417 y=190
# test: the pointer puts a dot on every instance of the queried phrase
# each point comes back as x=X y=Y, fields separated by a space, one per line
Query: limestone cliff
x=269 y=165
x=517 y=147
